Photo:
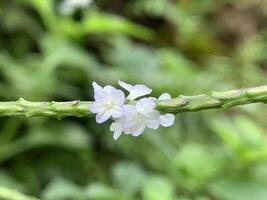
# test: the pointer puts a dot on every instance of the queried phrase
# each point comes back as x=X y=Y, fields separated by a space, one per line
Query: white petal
x=117 y=129
x=109 y=88
x=167 y=120
x=136 y=90
x=126 y=86
x=97 y=87
x=102 y=117
x=153 y=120
x=129 y=109
x=145 y=105
x=117 y=96
x=96 y=108
x=165 y=96
x=116 y=135
x=143 y=89
x=116 y=111
x=100 y=96
x=138 y=129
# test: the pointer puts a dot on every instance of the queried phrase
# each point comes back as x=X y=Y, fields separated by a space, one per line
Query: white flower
x=130 y=118
x=108 y=103
x=138 y=117
x=117 y=128
x=67 y=7
x=141 y=115
x=135 y=91
x=166 y=120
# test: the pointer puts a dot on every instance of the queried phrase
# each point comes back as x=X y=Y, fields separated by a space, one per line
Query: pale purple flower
x=132 y=118
x=108 y=103
x=138 y=117
x=135 y=91
x=118 y=127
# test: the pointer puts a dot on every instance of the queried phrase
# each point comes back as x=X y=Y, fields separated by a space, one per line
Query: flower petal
x=109 y=88
x=102 y=117
x=138 y=129
x=145 y=105
x=100 y=96
x=135 y=91
x=167 y=120
x=96 y=108
x=117 y=111
x=164 y=96
x=126 y=86
x=117 y=96
x=154 y=120
x=138 y=91
x=116 y=128
x=97 y=87
x=129 y=109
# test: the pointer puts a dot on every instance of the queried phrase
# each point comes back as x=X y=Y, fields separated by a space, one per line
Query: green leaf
x=239 y=189
x=104 y=23
x=227 y=133
x=158 y=188
x=69 y=136
x=108 y=23
x=8 y=194
x=61 y=189
x=9 y=182
x=99 y=191
x=195 y=176
x=128 y=176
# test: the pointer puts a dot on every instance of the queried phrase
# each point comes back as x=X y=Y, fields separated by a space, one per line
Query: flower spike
x=131 y=118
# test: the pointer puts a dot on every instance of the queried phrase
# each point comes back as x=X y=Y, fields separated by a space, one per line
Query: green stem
x=180 y=104
x=49 y=109
x=214 y=100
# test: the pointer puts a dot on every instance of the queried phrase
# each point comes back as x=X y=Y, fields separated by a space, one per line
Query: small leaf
x=60 y=189
x=239 y=189
x=99 y=191
x=128 y=176
x=158 y=188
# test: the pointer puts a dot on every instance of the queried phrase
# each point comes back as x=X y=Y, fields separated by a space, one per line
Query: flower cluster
x=68 y=7
x=130 y=114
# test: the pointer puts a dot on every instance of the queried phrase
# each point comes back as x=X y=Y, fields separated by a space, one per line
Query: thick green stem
x=214 y=100
x=77 y=108
x=50 y=109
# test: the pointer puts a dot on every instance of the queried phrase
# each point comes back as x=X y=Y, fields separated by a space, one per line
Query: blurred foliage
x=176 y=46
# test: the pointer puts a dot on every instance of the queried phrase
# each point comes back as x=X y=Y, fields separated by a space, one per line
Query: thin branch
x=180 y=104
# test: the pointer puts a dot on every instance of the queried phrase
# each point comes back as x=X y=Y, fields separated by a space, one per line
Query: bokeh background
x=53 y=50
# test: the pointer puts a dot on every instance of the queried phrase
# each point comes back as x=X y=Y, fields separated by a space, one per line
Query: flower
x=166 y=120
x=108 y=103
x=132 y=117
x=67 y=7
x=138 y=117
x=118 y=127
x=135 y=91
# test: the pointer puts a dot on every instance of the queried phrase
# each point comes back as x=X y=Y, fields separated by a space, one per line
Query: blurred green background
x=177 y=46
